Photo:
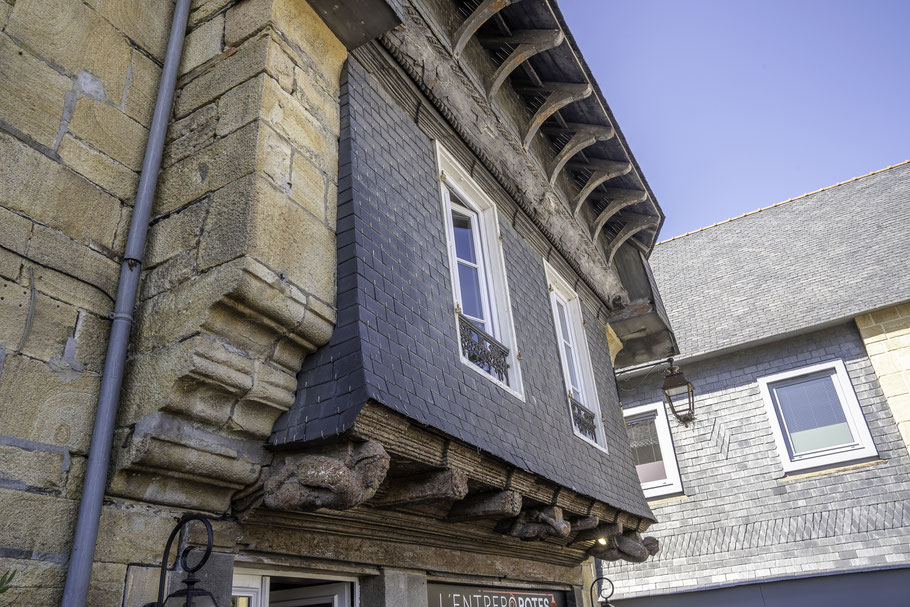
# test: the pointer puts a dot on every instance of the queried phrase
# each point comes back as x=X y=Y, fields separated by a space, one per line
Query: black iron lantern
x=191 y=596
x=603 y=597
x=680 y=394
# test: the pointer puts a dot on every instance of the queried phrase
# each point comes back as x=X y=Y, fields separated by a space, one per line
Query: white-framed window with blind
x=575 y=360
x=816 y=417
x=482 y=309
x=652 y=449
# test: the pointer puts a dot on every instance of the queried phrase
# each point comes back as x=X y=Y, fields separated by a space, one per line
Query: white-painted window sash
x=672 y=484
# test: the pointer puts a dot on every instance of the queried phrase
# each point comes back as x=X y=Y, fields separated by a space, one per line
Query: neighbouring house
x=792 y=487
x=394 y=251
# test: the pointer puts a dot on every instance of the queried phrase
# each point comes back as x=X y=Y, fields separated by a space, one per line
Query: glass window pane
x=813 y=413
x=563 y=321
x=464 y=237
x=571 y=363
x=469 y=282
x=240 y=601
x=646 y=450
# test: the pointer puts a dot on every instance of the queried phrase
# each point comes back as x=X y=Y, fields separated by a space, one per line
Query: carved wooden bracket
x=439 y=486
x=603 y=171
x=619 y=199
x=635 y=223
x=627 y=547
x=483 y=13
x=338 y=478
x=540 y=524
x=498 y=505
x=585 y=135
x=560 y=95
x=526 y=43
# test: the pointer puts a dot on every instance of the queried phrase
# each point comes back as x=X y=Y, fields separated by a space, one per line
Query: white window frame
x=453 y=177
x=673 y=483
x=560 y=289
x=863 y=446
x=254 y=581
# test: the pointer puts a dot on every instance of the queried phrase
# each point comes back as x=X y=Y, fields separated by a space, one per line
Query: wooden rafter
x=496 y=505
x=439 y=486
x=619 y=198
x=475 y=20
x=526 y=43
x=632 y=227
x=560 y=95
x=585 y=135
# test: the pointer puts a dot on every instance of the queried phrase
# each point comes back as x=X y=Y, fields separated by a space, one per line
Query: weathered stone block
x=191 y=134
x=202 y=44
x=241 y=105
x=77 y=292
x=53 y=249
x=298 y=22
x=175 y=234
x=283 y=112
x=15 y=230
x=100 y=169
x=145 y=76
x=209 y=169
x=321 y=101
x=201 y=10
x=250 y=218
x=106 y=584
x=32 y=468
x=10 y=264
x=130 y=533
x=146 y=23
x=91 y=339
x=42 y=522
x=37 y=582
x=234 y=67
x=168 y=275
x=141 y=585
x=308 y=187
x=32 y=95
x=73 y=36
x=46 y=404
x=52 y=321
x=111 y=131
x=51 y=198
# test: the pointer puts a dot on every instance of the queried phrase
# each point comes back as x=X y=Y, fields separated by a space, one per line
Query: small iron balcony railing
x=584 y=419
x=482 y=349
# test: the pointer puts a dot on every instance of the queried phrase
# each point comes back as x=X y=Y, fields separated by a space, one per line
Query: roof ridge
x=777 y=204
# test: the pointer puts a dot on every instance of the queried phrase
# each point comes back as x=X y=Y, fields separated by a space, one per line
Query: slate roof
x=806 y=262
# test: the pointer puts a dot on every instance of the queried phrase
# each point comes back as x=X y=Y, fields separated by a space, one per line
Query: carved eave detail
x=387 y=463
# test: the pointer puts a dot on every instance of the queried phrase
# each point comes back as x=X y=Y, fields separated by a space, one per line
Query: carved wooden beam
x=584 y=523
x=527 y=43
x=475 y=20
x=628 y=547
x=604 y=531
x=424 y=489
x=561 y=95
x=630 y=229
x=585 y=136
x=501 y=504
x=604 y=170
x=619 y=198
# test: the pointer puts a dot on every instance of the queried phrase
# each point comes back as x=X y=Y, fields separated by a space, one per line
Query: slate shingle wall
x=740 y=520
x=826 y=257
x=396 y=338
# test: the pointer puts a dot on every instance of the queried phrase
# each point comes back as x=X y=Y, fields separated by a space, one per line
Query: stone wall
x=886 y=334
x=242 y=235
x=741 y=519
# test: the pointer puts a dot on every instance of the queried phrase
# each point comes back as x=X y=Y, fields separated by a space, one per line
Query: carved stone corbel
x=540 y=524
x=628 y=547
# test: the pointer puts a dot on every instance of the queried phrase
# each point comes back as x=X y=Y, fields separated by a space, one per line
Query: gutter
x=82 y=555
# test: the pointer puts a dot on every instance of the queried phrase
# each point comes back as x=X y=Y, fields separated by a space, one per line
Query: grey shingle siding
x=739 y=520
x=821 y=258
x=396 y=339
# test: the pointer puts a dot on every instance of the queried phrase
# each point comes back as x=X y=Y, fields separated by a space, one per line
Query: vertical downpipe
x=82 y=554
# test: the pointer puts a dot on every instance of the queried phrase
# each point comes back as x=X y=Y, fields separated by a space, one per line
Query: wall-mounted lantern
x=191 y=596
x=680 y=394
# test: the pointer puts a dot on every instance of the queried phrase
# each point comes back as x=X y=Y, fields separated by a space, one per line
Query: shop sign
x=465 y=595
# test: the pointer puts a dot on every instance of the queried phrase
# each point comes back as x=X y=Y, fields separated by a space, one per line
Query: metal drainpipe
x=83 y=552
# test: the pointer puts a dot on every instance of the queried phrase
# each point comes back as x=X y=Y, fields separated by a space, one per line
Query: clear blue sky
x=732 y=105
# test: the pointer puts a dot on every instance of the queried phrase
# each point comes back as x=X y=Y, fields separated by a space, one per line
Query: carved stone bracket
x=497 y=505
x=540 y=524
x=439 y=486
x=627 y=547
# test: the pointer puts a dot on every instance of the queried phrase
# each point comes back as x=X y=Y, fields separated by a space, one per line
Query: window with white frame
x=652 y=449
x=577 y=370
x=816 y=417
x=482 y=307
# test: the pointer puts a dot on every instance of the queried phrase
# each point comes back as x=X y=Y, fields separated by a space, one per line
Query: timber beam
x=560 y=94
x=483 y=13
x=633 y=226
x=440 y=486
x=603 y=171
x=526 y=44
x=496 y=505
x=584 y=136
x=539 y=524
x=629 y=547
x=618 y=198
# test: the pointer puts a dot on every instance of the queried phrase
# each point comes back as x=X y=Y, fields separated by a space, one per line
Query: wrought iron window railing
x=584 y=419
x=482 y=349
